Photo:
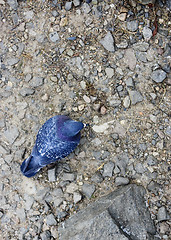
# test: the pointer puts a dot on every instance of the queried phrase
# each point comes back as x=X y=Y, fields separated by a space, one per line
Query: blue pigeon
x=56 y=139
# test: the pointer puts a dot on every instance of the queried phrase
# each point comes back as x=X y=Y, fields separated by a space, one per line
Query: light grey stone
x=21 y=214
x=50 y=220
x=29 y=200
x=68 y=177
x=71 y=188
x=54 y=37
x=126 y=102
x=121 y=181
x=68 y=6
x=77 y=197
x=139 y=168
x=153 y=118
x=147 y=1
x=86 y=8
x=130 y=58
x=46 y=235
x=15 y=18
x=122 y=45
x=13 y=4
x=158 y=76
x=147 y=33
x=28 y=15
x=135 y=96
x=129 y=82
x=141 y=46
x=11 y=134
x=52 y=175
x=88 y=189
x=109 y=72
x=126 y=206
x=108 y=169
x=132 y=25
x=108 y=42
x=26 y=91
x=28 y=77
x=141 y=56
x=12 y=61
x=76 y=3
x=36 y=82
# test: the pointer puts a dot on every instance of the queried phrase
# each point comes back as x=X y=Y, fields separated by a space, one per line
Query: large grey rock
x=120 y=215
x=108 y=42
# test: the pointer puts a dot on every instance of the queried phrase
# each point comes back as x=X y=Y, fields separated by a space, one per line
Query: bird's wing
x=57 y=151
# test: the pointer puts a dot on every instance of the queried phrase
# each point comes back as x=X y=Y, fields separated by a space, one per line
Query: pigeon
x=56 y=139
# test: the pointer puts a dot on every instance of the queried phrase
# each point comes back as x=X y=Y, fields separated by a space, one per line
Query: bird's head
x=71 y=128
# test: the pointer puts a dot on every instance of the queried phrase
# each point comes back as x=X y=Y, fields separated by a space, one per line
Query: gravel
x=97 y=63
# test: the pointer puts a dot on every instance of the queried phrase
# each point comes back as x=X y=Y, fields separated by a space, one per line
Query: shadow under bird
x=56 y=139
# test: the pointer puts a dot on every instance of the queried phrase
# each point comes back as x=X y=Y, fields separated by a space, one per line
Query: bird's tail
x=30 y=167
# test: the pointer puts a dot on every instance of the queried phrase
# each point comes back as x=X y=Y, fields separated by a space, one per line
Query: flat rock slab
x=120 y=215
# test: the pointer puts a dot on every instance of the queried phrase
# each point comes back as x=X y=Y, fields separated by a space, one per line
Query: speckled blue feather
x=56 y=139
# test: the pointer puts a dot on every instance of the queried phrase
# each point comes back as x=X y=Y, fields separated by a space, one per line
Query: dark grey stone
x=120 y=215
x=108 y=169
x=97 y=178
x=162 y=214
x=121 y=181
x=121 y=162
x=153 y=186
x=88 y=189
x=158 y=76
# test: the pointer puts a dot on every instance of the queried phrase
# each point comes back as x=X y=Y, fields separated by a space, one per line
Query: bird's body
x=56 y=139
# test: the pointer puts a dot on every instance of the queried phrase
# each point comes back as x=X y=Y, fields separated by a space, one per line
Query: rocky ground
x=106 y=63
